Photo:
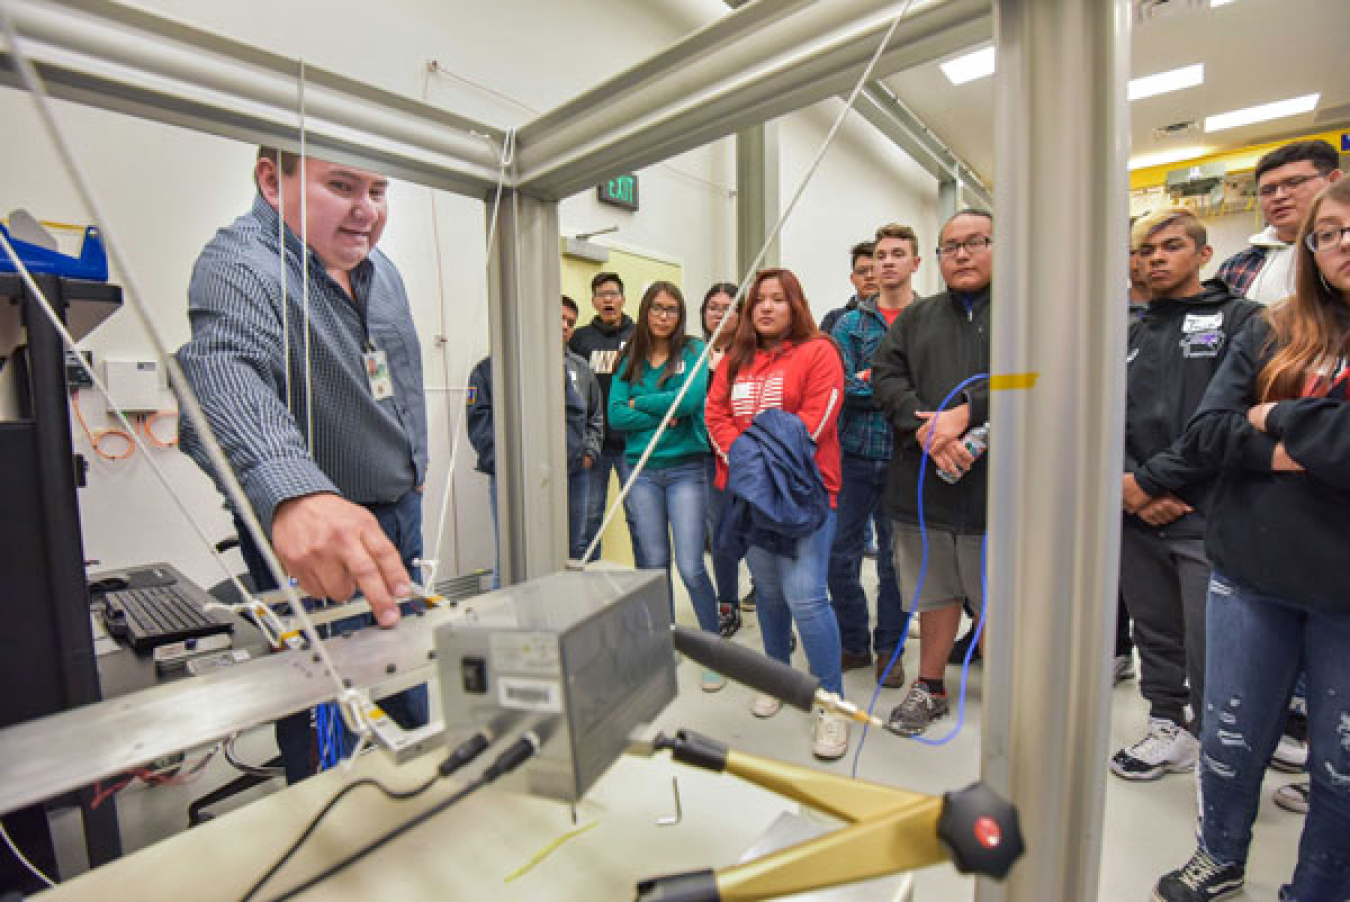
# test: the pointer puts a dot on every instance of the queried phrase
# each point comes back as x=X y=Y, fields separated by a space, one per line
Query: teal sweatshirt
x=683 y=440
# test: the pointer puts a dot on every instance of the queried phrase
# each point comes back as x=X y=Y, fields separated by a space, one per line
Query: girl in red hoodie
x=781 y=360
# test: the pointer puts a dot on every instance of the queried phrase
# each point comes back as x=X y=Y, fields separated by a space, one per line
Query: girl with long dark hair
x=781 y=361
x=670 y=495
x=1275 y=424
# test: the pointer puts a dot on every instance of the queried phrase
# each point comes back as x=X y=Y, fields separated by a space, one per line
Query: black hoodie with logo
x=599 y=345
x=1174 y=351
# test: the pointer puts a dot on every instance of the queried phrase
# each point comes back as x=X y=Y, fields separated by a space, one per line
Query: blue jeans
x=672 y=501
x=578 y=510
x=788 y=590
x=726 y=567
x=1257 y=646
x=401 y=521
x=598 y=493
x=860 y=496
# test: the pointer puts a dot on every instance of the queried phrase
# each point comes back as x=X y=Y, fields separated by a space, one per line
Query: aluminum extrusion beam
x=896 y=121
x=1054 y=510
x=524 y=290
x=761 y=61
x=111 y=56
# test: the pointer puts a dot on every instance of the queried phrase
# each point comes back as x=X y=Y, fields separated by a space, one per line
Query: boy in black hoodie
x=1174 y=350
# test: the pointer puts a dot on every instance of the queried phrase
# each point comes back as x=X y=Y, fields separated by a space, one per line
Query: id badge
x=377 y=374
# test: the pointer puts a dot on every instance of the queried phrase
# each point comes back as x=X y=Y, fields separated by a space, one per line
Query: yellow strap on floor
x=546 y=851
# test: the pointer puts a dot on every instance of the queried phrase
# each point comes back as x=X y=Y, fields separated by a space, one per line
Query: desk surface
x=467 y=852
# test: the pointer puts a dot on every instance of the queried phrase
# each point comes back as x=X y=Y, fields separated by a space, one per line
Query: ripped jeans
x=1257 y=645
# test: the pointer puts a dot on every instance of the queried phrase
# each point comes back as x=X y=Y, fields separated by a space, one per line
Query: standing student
x=599 y=343
x=670 y=495
x=935 y=345
x=1174 y=350
x=719 y=307
x=865 y=436
x=1276 y=423
x=781 y=364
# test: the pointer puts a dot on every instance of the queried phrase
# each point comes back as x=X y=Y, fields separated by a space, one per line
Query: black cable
x=393 y=794
x=515 y=755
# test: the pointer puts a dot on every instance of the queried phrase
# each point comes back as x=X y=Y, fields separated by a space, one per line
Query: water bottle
x=976 y=442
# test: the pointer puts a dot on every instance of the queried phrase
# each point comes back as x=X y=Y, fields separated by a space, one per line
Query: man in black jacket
x=933 y=346
x=599 y=345
x=1174 y=350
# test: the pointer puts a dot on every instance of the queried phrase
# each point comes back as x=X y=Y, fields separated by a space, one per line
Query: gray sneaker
x=920 y=708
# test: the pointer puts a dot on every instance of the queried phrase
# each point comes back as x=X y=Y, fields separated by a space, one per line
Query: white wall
x=166 y=190
x=863 y=182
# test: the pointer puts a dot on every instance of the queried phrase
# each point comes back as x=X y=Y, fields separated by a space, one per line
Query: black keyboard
x=157 y=615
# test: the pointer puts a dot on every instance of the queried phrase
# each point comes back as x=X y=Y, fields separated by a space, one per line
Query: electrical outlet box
x=133 y=385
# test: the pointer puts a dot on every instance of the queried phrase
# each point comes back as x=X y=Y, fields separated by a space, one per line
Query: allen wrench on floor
x=673 y=819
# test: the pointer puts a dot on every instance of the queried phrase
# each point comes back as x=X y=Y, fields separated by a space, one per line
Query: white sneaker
x=711 y=681
x=1167 y=749
x=829 y=738
x=1291 y=755
x=765 y=706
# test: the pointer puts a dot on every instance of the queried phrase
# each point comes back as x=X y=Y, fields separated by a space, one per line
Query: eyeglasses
x=1320 y=240
x=1289 y=185
x=718 y=308
x=664 y=311
x=972 y=246
x=608 y=295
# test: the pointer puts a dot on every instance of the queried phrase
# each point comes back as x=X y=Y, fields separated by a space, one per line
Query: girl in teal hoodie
x=670 y=495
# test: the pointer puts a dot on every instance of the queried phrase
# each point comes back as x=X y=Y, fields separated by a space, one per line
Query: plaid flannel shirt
x=863 y=428
x=1239 y=271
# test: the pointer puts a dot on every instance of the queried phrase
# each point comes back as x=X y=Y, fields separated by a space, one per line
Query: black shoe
x=792 y=642
x=748 y=602
x=850 y=661
x=728 y=620
x=959 y=648
x=1201 y=880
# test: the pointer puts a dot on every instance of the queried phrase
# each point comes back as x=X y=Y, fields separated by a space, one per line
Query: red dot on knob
x=987 y=832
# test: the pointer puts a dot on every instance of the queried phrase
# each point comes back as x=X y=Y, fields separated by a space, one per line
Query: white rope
x=744 y=284
x=187 y=397
x=304 y=263
x=453 y=419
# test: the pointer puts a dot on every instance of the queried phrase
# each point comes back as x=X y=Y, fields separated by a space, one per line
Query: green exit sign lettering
x=620 y=191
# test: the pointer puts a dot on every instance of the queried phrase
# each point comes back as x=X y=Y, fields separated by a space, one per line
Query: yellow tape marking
x=547 y=851
x=1013 y=381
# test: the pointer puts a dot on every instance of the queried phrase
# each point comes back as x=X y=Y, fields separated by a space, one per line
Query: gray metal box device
x=582 y=657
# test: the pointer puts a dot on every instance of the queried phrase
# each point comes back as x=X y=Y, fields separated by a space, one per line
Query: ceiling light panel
x=1162 y=157
x=1166 y=82
x=1263 y=113
x=970 y=67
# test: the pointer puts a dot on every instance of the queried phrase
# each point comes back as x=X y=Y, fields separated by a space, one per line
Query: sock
x=934 y=687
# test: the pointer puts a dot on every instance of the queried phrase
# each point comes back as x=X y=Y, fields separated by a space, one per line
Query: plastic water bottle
x=976 y=442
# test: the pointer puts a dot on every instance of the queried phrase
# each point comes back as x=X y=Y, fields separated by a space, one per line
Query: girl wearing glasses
x=1275 y=426
x=670 y=495
x=781 y=361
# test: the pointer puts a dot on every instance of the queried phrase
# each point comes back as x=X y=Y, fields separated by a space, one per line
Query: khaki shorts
x=953 y=574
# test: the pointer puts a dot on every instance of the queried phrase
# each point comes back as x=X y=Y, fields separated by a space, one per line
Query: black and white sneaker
x=1293 y=796
x=1201 y=880
x=728 y=620
x=1167 y=749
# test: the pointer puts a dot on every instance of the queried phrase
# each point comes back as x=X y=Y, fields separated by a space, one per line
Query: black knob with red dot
x=981 y=831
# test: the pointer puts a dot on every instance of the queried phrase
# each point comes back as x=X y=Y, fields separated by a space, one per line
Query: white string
x=740 y=291
x=24 y=858
x=285 y=282
x=304 y=259
x=429 y=567
x=187 y=397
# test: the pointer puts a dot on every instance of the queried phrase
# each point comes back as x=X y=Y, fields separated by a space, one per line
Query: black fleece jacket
x=1174 y=351
x=1281 y=534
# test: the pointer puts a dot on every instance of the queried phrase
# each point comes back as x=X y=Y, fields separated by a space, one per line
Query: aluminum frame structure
x=1063 y=149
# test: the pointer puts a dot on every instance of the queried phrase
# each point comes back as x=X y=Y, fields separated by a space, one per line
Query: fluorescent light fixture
x=1162 y=157
x=1277 y=110
x=1165 y=82
x=979 y=64
x=1214 y=3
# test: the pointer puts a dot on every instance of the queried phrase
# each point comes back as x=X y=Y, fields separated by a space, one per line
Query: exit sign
x=620 y=191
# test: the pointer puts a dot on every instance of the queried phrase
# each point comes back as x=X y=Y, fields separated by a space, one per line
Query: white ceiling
x=1254 y=52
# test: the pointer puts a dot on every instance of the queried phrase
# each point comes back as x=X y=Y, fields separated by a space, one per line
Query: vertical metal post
x=756 y=194
x=949 y=199
x=524 y=289
x=1062 y=140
